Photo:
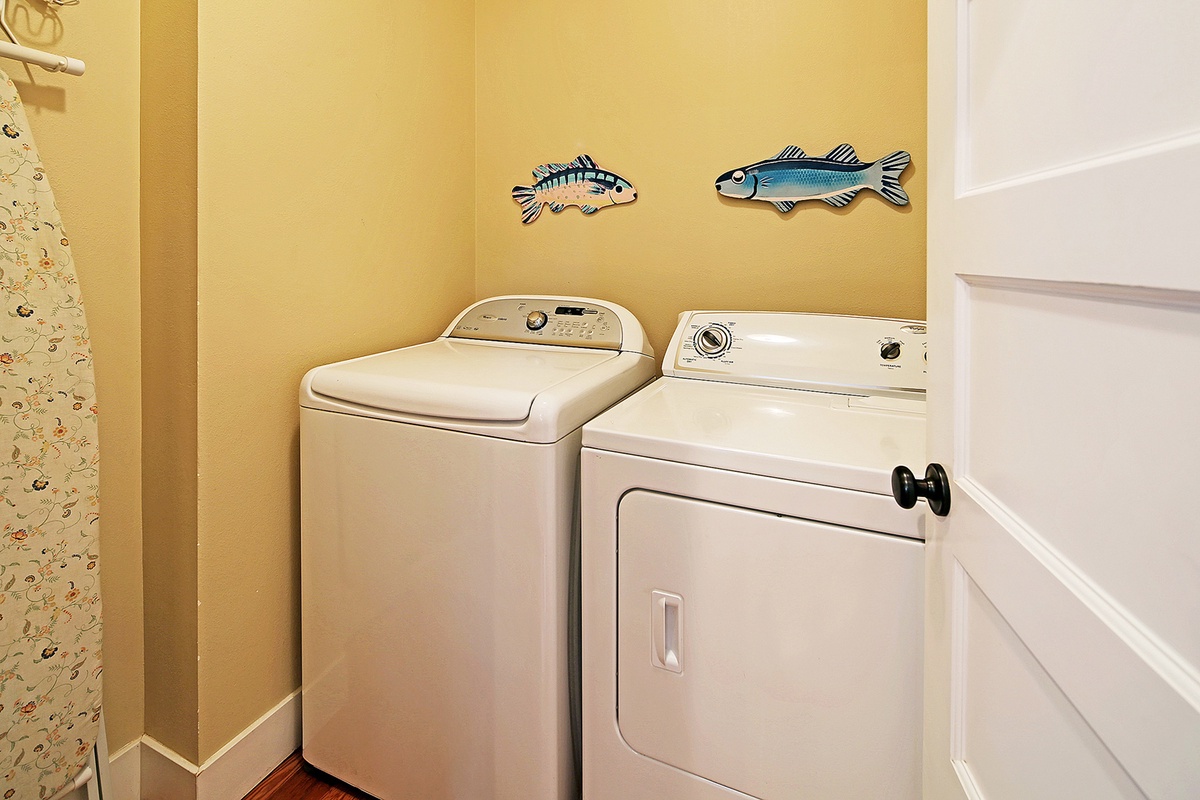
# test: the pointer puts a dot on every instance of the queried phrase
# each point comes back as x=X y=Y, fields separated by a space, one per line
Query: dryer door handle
x=666 y=631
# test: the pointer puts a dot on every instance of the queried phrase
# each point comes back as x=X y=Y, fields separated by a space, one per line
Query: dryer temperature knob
x=712 y=340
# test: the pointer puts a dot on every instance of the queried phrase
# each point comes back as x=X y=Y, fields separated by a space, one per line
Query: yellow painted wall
x=169 y=127
x=671 y=94
x=335 y=219
x=87 y=132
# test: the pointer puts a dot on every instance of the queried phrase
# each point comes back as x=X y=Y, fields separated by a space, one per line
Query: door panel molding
x=1075 y=448
x=1058 y=613
x=1165 y=147
x=1026 y=60
x=998 y=677
x=1111 y=292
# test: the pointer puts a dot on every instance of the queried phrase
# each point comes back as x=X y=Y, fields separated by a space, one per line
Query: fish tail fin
x=530 y=206
x=890 y=167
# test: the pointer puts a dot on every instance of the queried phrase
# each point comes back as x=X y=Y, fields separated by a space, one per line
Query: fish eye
x=738 y=176
x=619 y=189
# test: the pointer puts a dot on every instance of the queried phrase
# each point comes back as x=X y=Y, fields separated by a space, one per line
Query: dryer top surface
x=846 y=441
x=821 y=398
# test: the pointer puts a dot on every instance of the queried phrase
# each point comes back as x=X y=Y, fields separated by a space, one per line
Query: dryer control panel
x=570 y=322
x=823 y=352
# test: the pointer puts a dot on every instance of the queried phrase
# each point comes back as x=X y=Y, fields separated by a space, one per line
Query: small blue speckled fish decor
x=580 y=183
x=834 y=177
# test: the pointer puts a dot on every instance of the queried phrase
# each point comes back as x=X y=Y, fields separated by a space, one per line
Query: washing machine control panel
x=828 y=352
x=550 y=321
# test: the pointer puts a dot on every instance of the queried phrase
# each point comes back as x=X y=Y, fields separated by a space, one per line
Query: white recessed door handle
x=666 y=631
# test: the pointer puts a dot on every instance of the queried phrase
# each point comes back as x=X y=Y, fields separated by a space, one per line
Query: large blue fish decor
x=580 y=183
x=834 y=177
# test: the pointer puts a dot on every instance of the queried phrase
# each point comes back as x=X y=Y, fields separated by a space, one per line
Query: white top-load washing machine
x=438 y=498
x=752 y=594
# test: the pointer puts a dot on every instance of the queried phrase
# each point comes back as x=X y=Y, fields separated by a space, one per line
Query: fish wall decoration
x=834 y=177
x=580 y=183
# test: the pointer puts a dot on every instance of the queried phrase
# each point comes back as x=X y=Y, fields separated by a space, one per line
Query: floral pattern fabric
x=49 y=481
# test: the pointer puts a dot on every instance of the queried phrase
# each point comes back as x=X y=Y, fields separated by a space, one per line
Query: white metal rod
x=80 y=779
x=47 y=61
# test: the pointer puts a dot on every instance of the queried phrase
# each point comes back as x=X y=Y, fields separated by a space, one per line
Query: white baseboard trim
x=125 y=770
x=250 y=756
x=147 y=769
x=165 y=775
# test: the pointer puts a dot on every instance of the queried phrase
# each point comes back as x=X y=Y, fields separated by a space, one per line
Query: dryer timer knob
x=712 y=340
x=536 y=320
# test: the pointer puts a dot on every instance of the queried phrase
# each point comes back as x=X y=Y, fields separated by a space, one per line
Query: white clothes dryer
x=752 y=594
x=438 y=503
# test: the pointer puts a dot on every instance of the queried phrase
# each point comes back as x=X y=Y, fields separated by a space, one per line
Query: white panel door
x=1063 y=597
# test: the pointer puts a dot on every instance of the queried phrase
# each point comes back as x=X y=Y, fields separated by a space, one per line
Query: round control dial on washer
x=712 y=340
x=890 y=351
x=536 y=320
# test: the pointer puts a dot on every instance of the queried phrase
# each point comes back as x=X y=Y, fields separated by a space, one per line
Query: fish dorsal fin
x=583 y=161
x=791 y=151
x=844 y=153
x=546 y=170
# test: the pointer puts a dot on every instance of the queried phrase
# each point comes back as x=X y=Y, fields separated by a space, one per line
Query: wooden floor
x=295 y=780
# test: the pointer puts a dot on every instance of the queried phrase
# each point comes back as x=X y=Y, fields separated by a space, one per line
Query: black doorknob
x=935 y=488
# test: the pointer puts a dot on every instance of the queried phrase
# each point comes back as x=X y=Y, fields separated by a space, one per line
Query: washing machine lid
x=455 y=379
x=841 y=440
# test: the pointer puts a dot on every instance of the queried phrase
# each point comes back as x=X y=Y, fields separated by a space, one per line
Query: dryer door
x=772 y=655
